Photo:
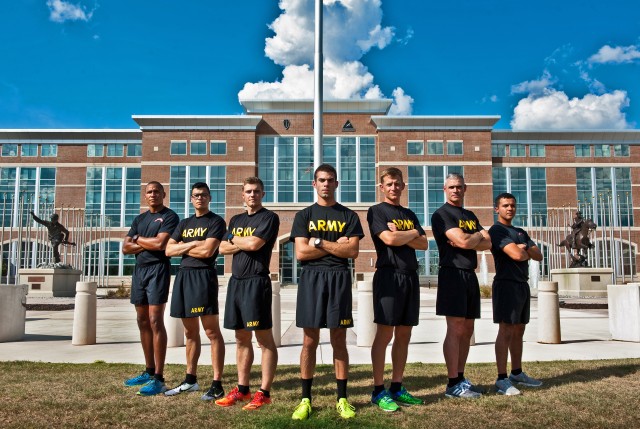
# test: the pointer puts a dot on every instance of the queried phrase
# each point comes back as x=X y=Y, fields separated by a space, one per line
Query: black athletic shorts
x=195 y=293
x=150 y=284
x=324 y=298
x=458 y=293
x=396 y=297
x=511 y=302
x=248 y=304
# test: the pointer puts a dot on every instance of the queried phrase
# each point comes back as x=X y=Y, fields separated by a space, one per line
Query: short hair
x=154 y=182
x=253 y=180
x=327 y=169
x=456 y=176
x=391 y=172
x=200 y=185
x=55 y=217
x=503 y=196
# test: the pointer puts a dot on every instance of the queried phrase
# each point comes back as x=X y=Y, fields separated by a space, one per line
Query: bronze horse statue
x=579 y=240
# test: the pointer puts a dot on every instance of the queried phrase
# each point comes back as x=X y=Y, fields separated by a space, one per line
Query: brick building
x=104 y=171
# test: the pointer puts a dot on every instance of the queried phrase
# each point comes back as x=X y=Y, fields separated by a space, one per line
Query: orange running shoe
x=233 y=397
x=258 y=400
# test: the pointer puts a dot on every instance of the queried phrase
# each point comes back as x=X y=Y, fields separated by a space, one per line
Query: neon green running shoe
x=303 y=410
x=405 y=398
x=346 y=410
x=384 y=402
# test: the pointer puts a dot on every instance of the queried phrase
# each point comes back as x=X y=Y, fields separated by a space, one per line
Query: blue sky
x=539 y=65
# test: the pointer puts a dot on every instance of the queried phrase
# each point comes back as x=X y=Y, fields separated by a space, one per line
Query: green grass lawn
x=575 y=394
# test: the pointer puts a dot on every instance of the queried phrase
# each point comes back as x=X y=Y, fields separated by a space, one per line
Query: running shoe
x=504 y=387
x=405 y=398
x=303 y=410
x=525 y=380
x=345 y=409
x=384 y=402
x=213 y=394
x=153 y=387
x=474 y=387
x=138 y=380
x=233 y=397
x=182 y=388
x=258 y=401
x=461 y=390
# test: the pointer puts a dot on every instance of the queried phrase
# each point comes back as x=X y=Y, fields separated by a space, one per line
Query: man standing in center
x=195 y=291
x=326 y=235
x=396 y=234
x=250 y=240
x=459 y=235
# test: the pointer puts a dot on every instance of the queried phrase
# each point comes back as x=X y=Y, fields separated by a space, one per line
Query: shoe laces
x=258 y=398
x=303 y=404
x=344 y=405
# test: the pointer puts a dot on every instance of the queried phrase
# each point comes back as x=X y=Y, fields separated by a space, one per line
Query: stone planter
x=13 y=299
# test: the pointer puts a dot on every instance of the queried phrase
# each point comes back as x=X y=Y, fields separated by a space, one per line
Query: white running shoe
x=182 y=388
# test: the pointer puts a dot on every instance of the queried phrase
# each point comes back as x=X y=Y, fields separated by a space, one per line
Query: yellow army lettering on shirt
x=467 y=225
x=197 y=310
x=243 y=232
x=326 y=225
x=403 y=224
x=194 y=232
x=253 y=324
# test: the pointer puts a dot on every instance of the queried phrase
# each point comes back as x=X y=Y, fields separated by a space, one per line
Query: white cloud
x=554 y=110
x=62 y=11
x=351 y=29
x=535 y=86
x=616 y=55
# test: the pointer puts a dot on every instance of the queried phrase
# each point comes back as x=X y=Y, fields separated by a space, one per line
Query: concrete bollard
x=276 y=316
x=472 y=340
x=13 y=301
x=624 y=311
x=366 y=329
x=173 y=325
x=84 y=314
x=548 y=313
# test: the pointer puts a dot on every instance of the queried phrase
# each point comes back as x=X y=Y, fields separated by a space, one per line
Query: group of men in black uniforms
x=326 y=236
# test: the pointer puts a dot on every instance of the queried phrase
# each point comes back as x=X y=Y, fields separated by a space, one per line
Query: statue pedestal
x=582 y=282
x=50 y=282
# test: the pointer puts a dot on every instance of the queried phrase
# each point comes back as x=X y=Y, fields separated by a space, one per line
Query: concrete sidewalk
x=585 y=335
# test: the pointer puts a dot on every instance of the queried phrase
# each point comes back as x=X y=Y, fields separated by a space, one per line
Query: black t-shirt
x=150 y=224
x=200 y=228
x=328 y=223
x=264 y=224
x=399 y=257
x=445 y=218
x=507 y=268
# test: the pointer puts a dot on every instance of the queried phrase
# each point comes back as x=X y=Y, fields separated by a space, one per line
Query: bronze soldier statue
x=58 y=234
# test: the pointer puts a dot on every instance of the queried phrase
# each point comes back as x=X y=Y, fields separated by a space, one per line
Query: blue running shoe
x=154 y=387
x=138 y=380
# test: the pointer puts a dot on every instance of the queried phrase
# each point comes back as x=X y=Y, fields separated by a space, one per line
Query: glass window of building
x=583 y=150
x=517 y=150
x=218 y=148
x=428 y=260
x=180 y=182
x=112 y=197
x=529 y=186
x=178 y=148
x=95 y=150
x=602 y=150
x=425 y=189
x=498 y=150
x=454 y=147
x=115 y=149
x=49 y=150
x=415 y=148
x=621 y=150
x=28 y=149
x=289 y=179
x=606 y=194
x=537 y=150
x=198 y=147
x=23 y=189
x=134 y=149
x=9 y=149
x=435 y=147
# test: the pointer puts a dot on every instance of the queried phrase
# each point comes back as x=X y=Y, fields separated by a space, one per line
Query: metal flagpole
x=318 y=88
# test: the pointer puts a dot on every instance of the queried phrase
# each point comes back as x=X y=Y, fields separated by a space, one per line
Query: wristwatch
x=317 y=243
x=230 y=237
x=135 y=238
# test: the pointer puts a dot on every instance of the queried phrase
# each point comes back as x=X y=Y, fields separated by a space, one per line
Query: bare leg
x=465 y=343
x=211 y=324
x=192 y=333
x=399 y=352
x=459 y=331
x=340 y=352
x=146 y=334
x=269 y=357
x=308 y=353
x=503 y=340
x=244 y=355
x=156 y=319
x=515 y=346
x=384 y=333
